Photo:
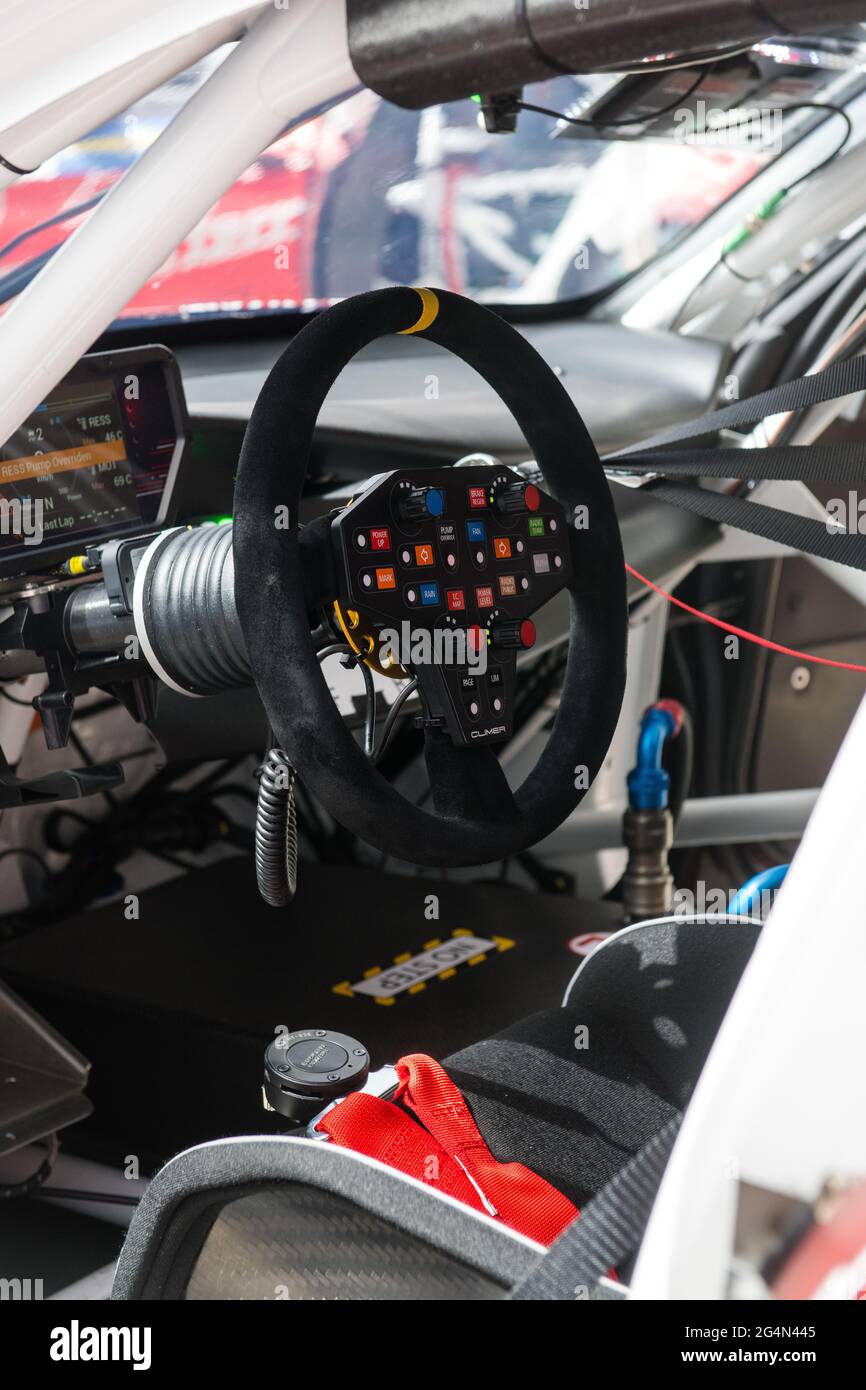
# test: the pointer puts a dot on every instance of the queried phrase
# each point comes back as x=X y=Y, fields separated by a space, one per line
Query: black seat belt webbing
x=803 y=463
x=608 y=1231
x=785 y=528
x=799 y=463
x=832 y=384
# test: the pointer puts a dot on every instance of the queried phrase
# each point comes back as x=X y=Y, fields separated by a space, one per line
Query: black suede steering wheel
x=280 y=575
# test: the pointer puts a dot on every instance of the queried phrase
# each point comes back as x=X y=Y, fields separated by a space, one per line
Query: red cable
x=741 y=632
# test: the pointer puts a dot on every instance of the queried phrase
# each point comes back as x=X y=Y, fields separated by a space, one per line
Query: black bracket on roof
x=419 y=53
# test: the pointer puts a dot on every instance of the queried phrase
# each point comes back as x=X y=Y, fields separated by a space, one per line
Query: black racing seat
x=573 y=1093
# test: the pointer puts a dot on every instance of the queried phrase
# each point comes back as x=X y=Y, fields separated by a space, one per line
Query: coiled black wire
x=276 y=841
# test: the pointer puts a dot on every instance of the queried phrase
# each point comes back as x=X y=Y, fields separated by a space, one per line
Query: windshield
x=369 y=194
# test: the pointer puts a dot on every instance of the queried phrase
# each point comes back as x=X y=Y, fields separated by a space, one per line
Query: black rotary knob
x=421 y=504
x=513 y=498
x=513 y=635
x=306 y=1070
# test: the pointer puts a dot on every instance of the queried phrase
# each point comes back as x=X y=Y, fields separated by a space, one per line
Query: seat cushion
x=574 y=1092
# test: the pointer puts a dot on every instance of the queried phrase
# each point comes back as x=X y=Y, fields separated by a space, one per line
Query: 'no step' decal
x=439 y=960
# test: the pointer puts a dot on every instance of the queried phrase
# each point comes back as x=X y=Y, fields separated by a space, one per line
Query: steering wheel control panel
x=450 y=564
x=96 y=460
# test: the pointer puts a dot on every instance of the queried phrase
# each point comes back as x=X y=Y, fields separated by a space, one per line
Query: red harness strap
x=448 y=1152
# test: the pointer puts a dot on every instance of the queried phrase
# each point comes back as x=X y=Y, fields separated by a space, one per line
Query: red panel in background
x=255 y=249
x=251 y=251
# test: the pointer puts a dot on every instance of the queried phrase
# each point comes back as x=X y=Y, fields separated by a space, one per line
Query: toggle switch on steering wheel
x=458 y=559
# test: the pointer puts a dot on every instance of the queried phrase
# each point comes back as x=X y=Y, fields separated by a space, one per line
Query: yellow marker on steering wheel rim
x=429 y=310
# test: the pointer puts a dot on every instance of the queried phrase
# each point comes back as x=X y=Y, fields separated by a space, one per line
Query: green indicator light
x=536 y=526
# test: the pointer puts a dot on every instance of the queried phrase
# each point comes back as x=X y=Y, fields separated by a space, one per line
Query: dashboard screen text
x=66 y=469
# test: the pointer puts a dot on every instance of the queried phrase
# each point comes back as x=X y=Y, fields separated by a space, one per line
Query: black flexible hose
x=681 y=756
x=393 y=715
x=826 y=320
x=352 y=658
x=276 y=840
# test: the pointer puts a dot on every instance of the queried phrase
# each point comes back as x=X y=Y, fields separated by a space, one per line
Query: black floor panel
x=51 y=1246
x=174 y=1007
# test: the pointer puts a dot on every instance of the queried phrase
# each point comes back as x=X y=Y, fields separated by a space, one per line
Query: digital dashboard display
x=94 y=460
x=69 y=462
